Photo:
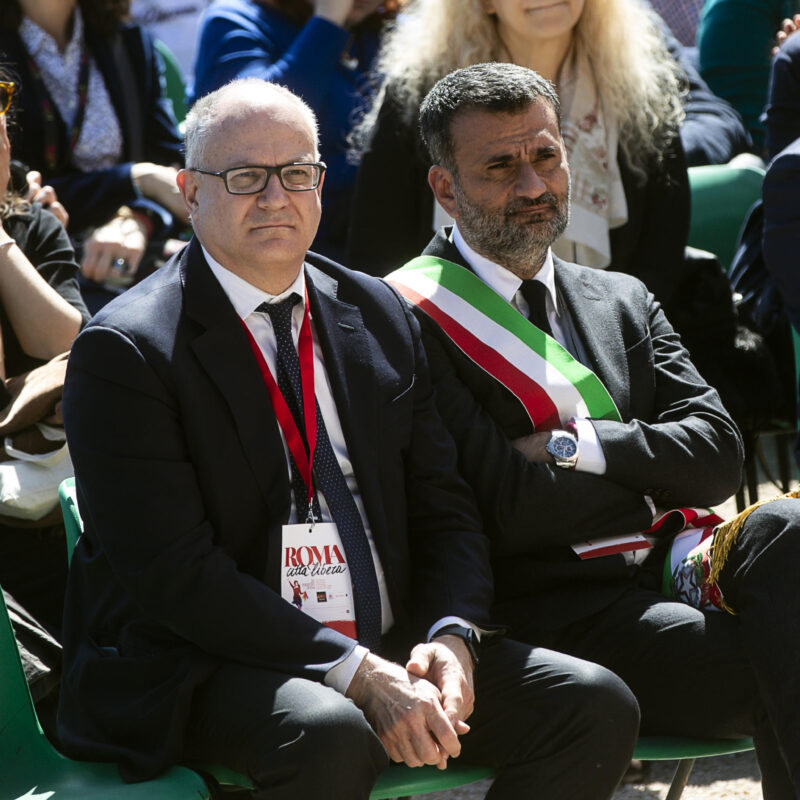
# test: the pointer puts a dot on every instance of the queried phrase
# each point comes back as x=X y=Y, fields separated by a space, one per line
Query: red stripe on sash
x=537 y=402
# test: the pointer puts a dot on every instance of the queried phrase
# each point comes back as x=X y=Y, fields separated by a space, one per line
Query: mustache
x=524 y=203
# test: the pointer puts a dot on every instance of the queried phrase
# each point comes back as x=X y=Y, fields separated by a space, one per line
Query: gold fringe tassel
x=725 y=537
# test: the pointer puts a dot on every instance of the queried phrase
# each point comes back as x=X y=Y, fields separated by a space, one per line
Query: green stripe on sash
x=470 y=288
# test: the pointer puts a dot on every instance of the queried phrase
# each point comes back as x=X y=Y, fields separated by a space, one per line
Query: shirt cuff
x=590 y=451
x=339 y=677
x=444 y=621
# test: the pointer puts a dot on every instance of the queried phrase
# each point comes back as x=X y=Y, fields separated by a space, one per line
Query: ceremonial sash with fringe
x=553 y=387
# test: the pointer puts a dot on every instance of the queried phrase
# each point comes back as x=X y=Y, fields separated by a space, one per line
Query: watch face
x=563 y=447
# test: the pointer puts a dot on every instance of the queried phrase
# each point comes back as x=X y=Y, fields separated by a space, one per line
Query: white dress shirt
x=507 y=285
x=245 y=299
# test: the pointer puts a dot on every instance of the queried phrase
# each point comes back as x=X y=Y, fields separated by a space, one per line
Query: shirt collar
x=500 y=279
x=245 y=297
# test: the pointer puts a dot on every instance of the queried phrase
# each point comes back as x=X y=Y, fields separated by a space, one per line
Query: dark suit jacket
x=392 y=217
x=675 y=443
x=183 y=487
x=781 y=237
x=783 y=104
x=148 y=126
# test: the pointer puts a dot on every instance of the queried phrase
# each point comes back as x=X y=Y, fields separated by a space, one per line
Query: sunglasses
x=6 y=93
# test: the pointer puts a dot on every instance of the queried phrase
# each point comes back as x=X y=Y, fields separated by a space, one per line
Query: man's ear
x=187 y=183
x=442 y=182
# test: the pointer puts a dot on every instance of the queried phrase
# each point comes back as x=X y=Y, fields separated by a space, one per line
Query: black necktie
x=329 y=478
x=535 y=294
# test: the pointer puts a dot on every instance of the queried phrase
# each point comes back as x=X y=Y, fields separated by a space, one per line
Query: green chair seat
x=31 y=768
x=721 y=196
x=672 y=748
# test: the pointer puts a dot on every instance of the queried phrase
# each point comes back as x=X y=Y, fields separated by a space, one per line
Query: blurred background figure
x=682 y=17
x=735 y=40
x=93 y=121
x=321 y=50
x=621 y=112
x=174 y=22
x=41 y=312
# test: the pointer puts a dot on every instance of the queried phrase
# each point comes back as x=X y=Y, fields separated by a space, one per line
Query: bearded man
x=590 y=440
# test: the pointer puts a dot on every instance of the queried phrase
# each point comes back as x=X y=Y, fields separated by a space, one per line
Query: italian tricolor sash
x=551 y=385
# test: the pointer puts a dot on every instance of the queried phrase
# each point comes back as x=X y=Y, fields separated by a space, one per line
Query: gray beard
x=520 y=248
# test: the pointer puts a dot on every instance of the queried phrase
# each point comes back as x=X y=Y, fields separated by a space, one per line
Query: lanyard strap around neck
x=303 y=459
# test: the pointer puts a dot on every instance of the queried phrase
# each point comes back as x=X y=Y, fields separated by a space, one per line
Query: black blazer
x=148 y=126
x=782 y=226
x=183 y=486
x=675 y=443
x=392 y=216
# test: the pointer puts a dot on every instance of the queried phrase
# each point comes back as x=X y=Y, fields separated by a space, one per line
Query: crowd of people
x=418 y=506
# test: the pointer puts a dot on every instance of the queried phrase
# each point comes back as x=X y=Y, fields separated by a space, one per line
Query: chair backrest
x=174 y=80
x=73 y=524
x=721 y=197
x=18 y=719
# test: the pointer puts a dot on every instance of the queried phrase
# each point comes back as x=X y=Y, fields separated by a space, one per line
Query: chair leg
x=783 y=450
x=750 y=471
x=680 y=778
x=740 y=503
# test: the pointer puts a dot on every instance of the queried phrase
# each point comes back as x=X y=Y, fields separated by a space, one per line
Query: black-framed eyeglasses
x=6 y=93
x=298 y=176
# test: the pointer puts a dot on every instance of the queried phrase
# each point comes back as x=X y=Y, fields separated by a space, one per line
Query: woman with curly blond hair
x=620 y=113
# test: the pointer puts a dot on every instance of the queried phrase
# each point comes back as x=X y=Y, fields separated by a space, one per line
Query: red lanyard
x=305 y=352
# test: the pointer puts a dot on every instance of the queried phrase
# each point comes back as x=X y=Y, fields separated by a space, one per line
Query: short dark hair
x=495 y=86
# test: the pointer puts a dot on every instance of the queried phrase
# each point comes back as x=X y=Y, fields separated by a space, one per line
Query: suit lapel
x=351 y=371
x=224 y=352
x=600 y=335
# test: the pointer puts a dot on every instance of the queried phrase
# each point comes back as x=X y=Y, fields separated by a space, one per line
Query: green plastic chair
x=721 y=196
x=175 y=82
x=31 y=767
x=400 y=781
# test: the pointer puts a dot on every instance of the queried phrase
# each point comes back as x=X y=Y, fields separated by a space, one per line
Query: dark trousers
x=711 y=673
x=553 y=726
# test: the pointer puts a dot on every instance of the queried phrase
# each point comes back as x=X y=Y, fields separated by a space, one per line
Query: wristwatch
x=563 y=447
x=465 y=633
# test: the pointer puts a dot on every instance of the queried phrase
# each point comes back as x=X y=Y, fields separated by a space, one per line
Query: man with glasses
x=273 y=522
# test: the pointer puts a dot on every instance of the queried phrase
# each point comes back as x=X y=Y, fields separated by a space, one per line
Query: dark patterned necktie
x=535 y=294
x=329 y=479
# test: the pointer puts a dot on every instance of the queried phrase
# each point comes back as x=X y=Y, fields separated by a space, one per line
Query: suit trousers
x=553 y=726
x=710 y=673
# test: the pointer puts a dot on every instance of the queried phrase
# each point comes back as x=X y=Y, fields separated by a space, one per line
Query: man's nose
x=529 y=182
x=273 y=194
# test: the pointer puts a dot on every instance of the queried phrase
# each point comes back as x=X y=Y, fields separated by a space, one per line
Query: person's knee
x=767 y=542
x=605 y=704
x=331 y=751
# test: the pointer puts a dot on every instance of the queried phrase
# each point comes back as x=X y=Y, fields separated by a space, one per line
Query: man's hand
x=405 y=711
x=532 y=447
x=122 y=238
x=446 y=662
